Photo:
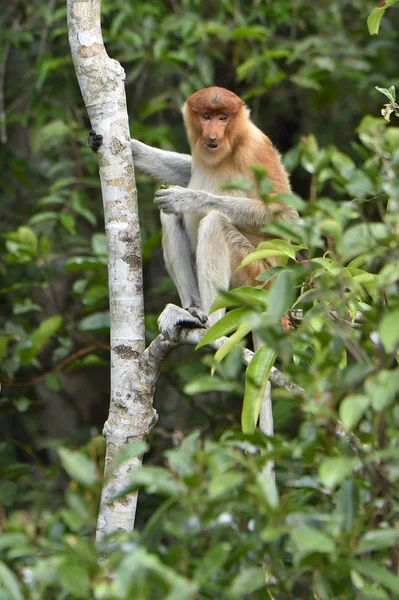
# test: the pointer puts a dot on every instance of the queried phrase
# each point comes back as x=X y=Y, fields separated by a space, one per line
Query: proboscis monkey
x=208 y=230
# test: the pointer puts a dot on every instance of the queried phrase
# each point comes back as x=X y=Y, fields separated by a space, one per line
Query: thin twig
x=3 y=62
x=160 y=348
x=58 y=367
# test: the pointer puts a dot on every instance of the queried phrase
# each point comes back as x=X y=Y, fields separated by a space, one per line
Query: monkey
x=207 y=228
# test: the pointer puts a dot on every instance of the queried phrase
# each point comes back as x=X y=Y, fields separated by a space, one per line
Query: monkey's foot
x=197 y=313
x=173 y=318
x=94 y=140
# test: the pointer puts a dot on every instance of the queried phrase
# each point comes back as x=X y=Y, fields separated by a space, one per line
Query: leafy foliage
x=374 y=18
x=210 y=525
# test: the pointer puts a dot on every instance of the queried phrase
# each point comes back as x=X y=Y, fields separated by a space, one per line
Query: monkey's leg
x=180 y=264
x=214 y=265
x=179 y=259
x=220 y=250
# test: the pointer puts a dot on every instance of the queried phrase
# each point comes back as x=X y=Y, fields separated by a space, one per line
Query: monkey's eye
x=206 y=116
x=223 y=117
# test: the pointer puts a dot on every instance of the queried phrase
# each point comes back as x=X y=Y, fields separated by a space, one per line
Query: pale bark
x=131 y=415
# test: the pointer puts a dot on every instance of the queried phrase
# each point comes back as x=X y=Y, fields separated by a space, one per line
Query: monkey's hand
x=173 y=319
x=176 y=200
x=94 y=140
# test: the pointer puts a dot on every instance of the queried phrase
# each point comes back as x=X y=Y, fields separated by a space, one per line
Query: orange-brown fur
x=242 y=145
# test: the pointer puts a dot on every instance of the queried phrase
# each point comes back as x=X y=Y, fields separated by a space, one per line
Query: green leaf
x=374 y=18
x=54 y=382
x=135 y=564
x=24 y=306
x=75 y=579
x=382 y=388
x=78 y=466
x=329 y=265
x=212 y=562
x=280 y=245
x=22 y=404
x=247 y=581
x=182 y=459
x=352 y=409
x=68 y=221
x=369 y=592
x=83 y=263
x=4 y=339
x=335 y=470
x=343 y=163
x=47 y=215
x=261 y=255
x=43 y=334
x=292 y=200
x=78 y=205
x=256 y=379
x=46 y=136
x=132 y=450
x=224 y=326
x=374 y=571
x=361 y=238
x=156 y=480
x=309 y=540
x=377 y=539
x=9 y=584
x=225 y=483
x=281 y=296
x=45 y=331
x=99 y=244
x=246 y=295
x=207 y=383
x=232 y=342
x=25 y=237
x=51 y=199
x=360 y=185
x=348 y=504
x=390 y=93
x=389 y=331
x=270 y=273
x=13 y=540
x=269 y=491
x=95 y=322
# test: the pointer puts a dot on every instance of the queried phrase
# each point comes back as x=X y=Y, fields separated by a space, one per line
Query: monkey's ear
x=94 y=140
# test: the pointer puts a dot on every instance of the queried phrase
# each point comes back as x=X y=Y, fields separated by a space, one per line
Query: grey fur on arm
x=244 y=213
x=251 y=214
x=162 y=165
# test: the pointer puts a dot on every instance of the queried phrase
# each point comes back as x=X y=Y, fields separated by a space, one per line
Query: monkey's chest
x=200 y=180
x=213 y=183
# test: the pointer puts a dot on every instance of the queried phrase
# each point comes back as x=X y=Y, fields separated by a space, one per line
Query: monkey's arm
x=162 y=165
x=244 y=213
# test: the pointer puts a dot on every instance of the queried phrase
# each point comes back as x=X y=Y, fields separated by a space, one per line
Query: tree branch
x=161 y=348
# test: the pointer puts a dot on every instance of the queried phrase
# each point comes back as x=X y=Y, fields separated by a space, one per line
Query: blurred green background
x=304 y=68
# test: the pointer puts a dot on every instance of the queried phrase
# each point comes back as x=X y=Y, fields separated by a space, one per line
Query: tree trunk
x=131 y=414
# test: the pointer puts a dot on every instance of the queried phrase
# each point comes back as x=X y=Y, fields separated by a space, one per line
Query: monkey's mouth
x=212 y=146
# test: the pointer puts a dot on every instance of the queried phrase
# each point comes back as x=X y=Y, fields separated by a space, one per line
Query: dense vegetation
x=209 y=526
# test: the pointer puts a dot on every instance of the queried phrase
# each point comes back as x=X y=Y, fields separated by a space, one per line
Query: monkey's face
x=213 y=142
